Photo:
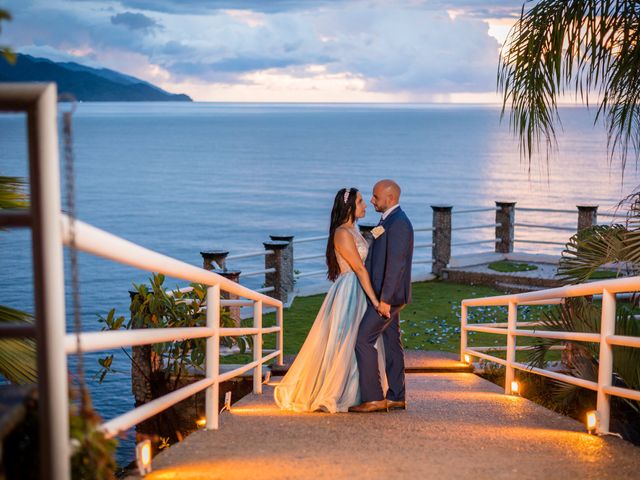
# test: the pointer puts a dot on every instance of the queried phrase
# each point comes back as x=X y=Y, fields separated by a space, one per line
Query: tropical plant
x=6 y=52
x=589 y=47
x=152 y=306
x=17 y=356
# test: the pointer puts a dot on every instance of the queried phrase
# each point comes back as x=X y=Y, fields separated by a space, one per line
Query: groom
x=389 y=266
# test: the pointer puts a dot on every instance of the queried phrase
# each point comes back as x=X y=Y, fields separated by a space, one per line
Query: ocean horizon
x=180 y=178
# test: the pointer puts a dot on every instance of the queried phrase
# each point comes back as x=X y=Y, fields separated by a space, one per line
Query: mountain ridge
x=86 y=84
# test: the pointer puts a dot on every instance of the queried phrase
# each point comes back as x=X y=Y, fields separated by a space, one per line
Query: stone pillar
x=505 y=220
x=365 y=230
x=217 y=257
x=209 y=257
x=282 y=261
x=587 y=216
x=441 y=251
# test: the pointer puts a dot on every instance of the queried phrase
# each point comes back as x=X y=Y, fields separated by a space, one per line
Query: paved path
x=457 y=426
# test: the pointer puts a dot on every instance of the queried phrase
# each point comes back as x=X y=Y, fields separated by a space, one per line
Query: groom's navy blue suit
x=389 y=266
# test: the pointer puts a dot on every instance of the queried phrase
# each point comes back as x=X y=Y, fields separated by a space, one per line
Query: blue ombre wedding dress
x=324 y=375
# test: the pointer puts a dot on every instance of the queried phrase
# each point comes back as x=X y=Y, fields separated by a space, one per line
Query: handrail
x=474 y=210
x=98 y=242
x=261 y=253
x=547 y=227
x=476 y=227
x=310 y=239
x=606 y=337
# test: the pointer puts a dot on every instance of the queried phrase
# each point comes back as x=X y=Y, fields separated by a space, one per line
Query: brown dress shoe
x=399 y=404
x=367 y=407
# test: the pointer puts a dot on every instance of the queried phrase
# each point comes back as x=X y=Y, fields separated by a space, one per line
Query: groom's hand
x=384 y=309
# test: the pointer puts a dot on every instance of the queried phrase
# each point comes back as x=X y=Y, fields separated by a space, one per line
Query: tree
x=589 y=47
x=6 y=52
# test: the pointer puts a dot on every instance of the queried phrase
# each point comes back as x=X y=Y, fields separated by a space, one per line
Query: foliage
x=93 y=452
x=6 y=52
x=17 y=356
x=505 y=266
x=154 y=307
x=585 y=46
x=12 y=193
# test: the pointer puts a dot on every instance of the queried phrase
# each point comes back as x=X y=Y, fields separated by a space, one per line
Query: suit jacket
x=389 y=260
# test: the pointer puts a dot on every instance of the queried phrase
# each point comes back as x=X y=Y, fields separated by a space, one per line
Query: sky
x=279 y=50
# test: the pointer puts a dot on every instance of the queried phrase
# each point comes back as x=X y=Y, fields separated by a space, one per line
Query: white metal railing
x=50 y=231
x=606 y=337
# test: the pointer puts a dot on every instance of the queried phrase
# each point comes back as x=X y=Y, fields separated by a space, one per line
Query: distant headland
x=85 y=83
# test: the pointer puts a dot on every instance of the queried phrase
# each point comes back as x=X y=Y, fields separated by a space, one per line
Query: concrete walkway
x=457 y=426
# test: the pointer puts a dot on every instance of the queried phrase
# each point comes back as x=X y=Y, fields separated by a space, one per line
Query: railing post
x=505 y=226
x=282 y=261
x=280 y=335
x=257 y=347
x=212 y=358
x=511 y=347
x=288 y=266
x=210 y=259
x=48 y=281
x=463 y=331
x=365 y=230
x=605 y=359
x=587 y=216
x=441 y=251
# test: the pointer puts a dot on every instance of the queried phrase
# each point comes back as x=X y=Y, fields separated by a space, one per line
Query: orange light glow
x=143 y=457
x=201 y=422
x=592 y=421
x=515 y=388
x=467 y=358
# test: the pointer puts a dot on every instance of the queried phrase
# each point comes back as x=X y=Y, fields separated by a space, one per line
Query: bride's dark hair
x=340 y=213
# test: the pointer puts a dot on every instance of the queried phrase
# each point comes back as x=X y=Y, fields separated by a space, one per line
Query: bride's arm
x=346 y=247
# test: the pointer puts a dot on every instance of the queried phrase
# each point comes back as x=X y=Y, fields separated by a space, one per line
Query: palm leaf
x=590 y=249
x=17 y=356
x=584 y=46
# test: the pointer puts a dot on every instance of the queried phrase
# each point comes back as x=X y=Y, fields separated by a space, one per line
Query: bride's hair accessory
x=347 y=191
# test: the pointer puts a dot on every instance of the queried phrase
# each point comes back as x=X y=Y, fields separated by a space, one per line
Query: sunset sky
x=279 y=50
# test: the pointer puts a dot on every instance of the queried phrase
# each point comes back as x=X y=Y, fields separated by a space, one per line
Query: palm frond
x=17 y=356
x=12 y=194
x=590 y=249
x=585 y=46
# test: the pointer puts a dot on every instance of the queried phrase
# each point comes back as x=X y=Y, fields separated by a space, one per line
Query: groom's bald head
x=386 y=194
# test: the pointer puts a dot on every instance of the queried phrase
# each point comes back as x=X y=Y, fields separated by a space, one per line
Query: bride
x=324 y=375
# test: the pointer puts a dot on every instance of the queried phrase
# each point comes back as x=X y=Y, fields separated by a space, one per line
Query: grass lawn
x=506 y=266
x=431 y=322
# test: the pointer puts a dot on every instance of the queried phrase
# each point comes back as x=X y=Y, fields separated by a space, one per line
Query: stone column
x=365 y=230
x=505 y=218
x=587 y=216
x=441 y=251
x=217 y=257
x=282 y=261
x=209 y=257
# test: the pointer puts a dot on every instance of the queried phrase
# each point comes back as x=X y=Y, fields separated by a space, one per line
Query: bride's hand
x=375 y=303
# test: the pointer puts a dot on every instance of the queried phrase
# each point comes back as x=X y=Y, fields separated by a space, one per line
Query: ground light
x=201 y=422
x=592 y=421
x=467 y=358
x=143 y=457
x=515 y=388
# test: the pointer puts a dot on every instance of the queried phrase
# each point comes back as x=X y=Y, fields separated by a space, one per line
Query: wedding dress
x=324 y=375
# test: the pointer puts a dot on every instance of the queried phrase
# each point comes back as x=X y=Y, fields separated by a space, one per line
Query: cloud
x=135 y=21
x=414 y=49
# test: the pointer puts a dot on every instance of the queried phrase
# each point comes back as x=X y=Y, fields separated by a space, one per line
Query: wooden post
x=505 y=221
x=441 y=251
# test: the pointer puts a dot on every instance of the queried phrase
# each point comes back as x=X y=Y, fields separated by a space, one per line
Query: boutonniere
x=377 y=231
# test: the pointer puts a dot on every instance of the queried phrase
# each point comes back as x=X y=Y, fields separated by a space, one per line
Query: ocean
x=184 y=177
